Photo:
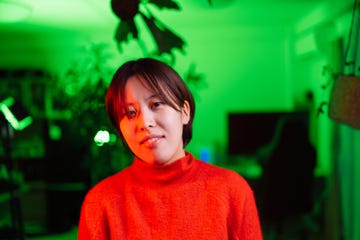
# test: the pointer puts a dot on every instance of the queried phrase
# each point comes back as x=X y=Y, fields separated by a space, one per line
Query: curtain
x=348 y=167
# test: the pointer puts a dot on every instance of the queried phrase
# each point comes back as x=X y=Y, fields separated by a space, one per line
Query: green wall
x=253 y=57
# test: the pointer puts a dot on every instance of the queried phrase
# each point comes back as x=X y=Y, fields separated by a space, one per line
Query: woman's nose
x=146 y=120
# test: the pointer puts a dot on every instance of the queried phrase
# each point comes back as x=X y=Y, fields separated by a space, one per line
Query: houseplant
x=344 y=102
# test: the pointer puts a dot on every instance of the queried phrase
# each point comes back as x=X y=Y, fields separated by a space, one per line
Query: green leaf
x=125 y=31
x=165 y=39
x=170 y=4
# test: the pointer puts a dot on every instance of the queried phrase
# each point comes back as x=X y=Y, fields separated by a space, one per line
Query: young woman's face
x=151 y=128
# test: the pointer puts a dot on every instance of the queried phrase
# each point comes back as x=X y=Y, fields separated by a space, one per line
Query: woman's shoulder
x=225 y=184
x=219 y=173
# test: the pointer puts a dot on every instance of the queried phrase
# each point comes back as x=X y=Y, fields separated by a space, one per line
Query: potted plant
x=344 y=104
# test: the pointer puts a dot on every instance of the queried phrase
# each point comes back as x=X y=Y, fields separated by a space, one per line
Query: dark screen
x=249 y=131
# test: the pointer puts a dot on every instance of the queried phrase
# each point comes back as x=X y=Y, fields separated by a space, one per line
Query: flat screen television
x=247 y=132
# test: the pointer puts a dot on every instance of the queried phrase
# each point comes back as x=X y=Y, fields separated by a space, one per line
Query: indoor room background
x=251 y=65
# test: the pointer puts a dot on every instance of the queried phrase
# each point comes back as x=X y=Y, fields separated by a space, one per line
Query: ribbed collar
x=177 y=172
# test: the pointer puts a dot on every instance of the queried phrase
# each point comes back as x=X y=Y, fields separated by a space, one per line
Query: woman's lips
x=151 y=140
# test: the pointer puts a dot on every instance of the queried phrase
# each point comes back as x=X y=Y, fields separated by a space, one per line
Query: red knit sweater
x=187 y=199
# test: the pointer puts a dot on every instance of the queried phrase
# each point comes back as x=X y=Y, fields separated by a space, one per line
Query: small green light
x=10 y=117
x=55 y=132
x=112 y=138
x=102 y=137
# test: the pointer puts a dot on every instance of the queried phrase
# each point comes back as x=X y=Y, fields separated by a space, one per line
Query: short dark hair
x=161 y=78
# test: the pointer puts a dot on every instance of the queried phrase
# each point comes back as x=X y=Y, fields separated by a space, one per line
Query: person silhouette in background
x=288 y=174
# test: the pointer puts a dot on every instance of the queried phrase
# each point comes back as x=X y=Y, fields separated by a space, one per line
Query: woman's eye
x=131 y=113
x=156 y=104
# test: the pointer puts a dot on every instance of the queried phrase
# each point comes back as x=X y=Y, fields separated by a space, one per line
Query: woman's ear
x=185 y=112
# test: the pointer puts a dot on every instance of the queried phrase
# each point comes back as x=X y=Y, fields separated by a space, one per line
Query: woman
x=166 y=193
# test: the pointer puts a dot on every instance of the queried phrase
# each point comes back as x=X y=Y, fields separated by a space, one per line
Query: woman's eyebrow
x=153 y=96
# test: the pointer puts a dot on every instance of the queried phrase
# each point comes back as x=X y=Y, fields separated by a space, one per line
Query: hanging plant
x=165 y=39
x=344 y=104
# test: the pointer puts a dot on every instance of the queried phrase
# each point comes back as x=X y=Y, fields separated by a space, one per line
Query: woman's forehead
x=146 y=88
x=137 y=88
x=137 y=83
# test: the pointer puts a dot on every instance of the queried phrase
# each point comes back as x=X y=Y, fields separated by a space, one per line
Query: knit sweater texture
x=187 y=199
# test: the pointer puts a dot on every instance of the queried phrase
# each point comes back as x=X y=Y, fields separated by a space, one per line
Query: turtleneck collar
x=175 y=172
